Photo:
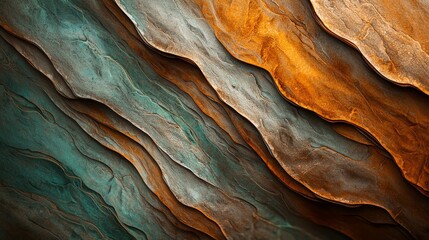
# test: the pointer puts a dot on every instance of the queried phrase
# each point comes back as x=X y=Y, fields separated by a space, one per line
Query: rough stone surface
x=138 y=119
x=393 y=37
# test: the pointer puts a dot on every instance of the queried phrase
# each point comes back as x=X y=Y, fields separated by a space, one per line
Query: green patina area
x=53 y=157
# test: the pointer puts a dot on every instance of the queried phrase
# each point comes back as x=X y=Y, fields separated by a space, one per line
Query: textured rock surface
x=392 y=37
x=119 y=123
x=320 y=73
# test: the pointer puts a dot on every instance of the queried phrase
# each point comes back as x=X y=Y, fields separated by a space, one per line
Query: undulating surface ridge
x=322 y=74
x=240 y=119
x=392 y=37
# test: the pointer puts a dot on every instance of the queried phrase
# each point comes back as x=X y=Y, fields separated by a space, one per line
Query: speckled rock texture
x=197 y=119
x=393 y=37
